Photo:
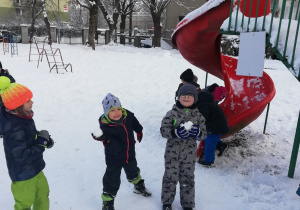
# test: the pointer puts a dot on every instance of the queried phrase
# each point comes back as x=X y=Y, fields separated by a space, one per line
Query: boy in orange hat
x=24 y=147
x=4 y=72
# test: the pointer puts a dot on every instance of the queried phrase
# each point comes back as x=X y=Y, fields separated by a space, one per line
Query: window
x=18 y=11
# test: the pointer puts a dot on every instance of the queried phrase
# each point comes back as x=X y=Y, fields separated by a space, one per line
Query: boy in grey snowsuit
x=181 y=147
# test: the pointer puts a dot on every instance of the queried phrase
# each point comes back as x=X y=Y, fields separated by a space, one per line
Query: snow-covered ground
x=251 y=175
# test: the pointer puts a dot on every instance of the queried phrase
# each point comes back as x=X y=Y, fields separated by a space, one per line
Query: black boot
x=222 y=149
x=206 y=164
x=140 y=188
x=108 y=205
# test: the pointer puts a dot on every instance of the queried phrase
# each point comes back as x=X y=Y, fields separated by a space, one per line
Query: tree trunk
x=157 y=30
x=32 y=21
x=130 y=27
x=116 y=14
x=46 y=21
x=122 y=29
x=93 y=25
x=112 y=32
x=123 y=23
x=156 y=8
x=108 y=20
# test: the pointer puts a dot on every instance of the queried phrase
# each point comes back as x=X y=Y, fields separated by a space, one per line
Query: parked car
x=141 y=33
x=9 y=34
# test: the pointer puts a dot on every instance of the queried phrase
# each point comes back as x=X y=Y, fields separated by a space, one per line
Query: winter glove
x=101 y=138
x=139 y=136
x=43 y=139
x=50 y=142
x=181 y=133
x=195 y=131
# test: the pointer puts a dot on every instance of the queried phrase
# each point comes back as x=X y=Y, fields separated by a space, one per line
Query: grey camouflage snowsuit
x=180 y=156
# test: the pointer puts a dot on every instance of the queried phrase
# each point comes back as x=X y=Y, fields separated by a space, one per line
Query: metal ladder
x=53 y=55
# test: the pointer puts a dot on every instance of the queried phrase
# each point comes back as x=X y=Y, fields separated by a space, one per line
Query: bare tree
x=34 y=16
x=77 y=16
x=127 y=8
x=156 y=8
x=111 y=20
x=38 y=7
x=46 y=21
x=92 y=6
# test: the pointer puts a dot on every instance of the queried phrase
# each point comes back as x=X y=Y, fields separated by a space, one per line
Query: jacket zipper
x=127 y=139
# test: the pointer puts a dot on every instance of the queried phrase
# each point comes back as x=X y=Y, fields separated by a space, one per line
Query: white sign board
x=251 y=54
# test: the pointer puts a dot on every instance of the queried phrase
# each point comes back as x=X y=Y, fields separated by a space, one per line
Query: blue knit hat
x=188 y=89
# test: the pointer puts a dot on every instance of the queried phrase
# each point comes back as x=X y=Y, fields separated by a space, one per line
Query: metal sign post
x=58 y=23
x=295 y=151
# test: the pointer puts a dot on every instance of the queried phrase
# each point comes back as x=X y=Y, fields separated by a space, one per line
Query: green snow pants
x=30 y=192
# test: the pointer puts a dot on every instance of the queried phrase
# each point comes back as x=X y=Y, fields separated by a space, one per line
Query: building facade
x=20 y=8
x=175 y=13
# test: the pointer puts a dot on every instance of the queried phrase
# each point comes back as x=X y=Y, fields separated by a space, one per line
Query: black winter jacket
x=24 y=158
x=216 y=122
x=120 y=148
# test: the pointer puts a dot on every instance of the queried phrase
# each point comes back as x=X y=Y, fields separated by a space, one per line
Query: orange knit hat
x=13 y=94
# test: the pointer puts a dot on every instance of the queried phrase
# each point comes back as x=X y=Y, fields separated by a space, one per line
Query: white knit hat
x=110 y=101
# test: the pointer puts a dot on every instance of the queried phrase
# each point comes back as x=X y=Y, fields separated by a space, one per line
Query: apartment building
x=19 y=8
x=175 y=12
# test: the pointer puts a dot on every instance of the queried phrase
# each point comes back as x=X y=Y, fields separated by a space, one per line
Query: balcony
x=20 y=3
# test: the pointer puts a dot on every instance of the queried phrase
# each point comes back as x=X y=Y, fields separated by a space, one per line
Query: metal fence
x=73 y=36
x=280 y=22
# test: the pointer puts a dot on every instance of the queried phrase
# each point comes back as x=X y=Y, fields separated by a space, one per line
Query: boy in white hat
x=118 y=126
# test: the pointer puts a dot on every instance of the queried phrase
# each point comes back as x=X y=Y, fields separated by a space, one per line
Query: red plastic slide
x=198 y=40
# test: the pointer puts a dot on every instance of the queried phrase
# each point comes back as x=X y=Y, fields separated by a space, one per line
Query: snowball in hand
x=98 y=133
x=188 y=125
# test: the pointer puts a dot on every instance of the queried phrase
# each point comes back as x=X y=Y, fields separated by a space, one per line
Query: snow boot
x=298 y=191
x=139 y=188
x=206 y=164
x=167 y=207
x=108 y=205
x=186 y=208
x=222 y=148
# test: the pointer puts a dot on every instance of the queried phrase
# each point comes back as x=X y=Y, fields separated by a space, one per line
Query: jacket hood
x=205 y=97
